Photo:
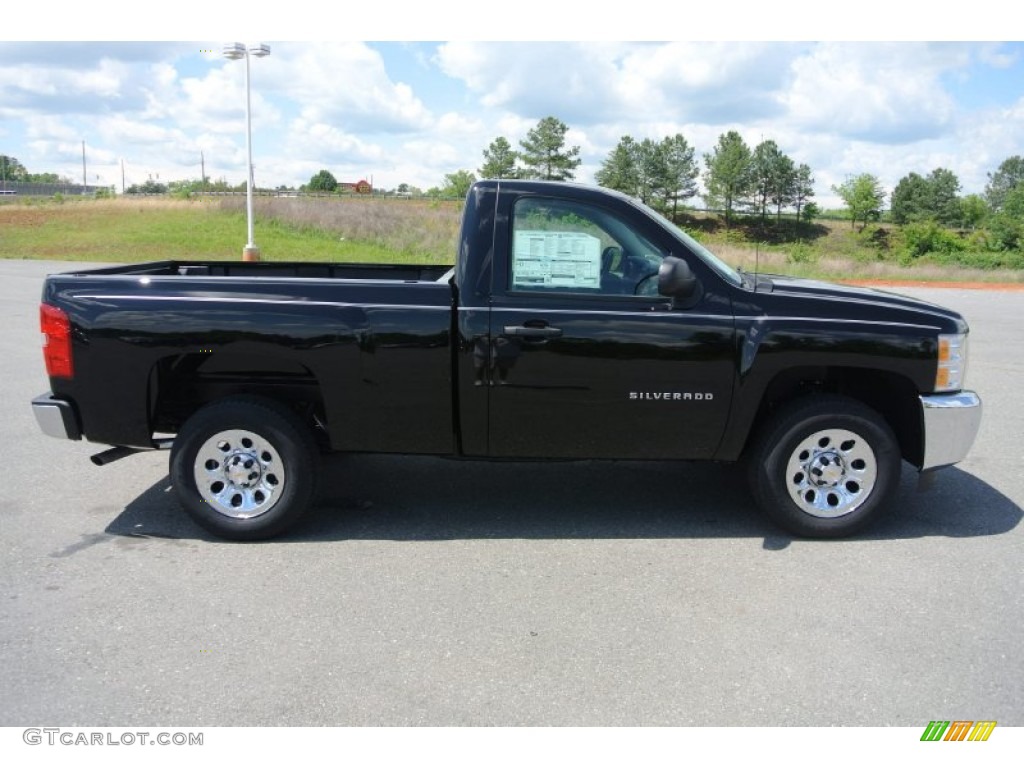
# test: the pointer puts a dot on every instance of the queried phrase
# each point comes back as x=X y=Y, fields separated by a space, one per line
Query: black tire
x=244 y=468
x=824 y=466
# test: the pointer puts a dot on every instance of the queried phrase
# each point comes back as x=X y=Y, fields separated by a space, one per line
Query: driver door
x=585 y=359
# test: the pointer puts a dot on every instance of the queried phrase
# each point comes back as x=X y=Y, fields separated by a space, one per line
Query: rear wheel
x=824 y=466
x=244 y=468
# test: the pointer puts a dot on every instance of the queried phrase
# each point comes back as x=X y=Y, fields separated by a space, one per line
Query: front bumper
x=949 y=425
x=57 y=418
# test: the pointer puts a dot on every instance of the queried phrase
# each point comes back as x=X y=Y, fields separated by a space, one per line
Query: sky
x=411 y=111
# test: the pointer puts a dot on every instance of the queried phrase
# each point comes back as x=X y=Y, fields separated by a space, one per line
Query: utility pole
x=85 y=183
x=122 y=175
x=202 y=165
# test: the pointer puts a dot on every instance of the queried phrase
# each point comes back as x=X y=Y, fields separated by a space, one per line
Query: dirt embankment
x=972 y=285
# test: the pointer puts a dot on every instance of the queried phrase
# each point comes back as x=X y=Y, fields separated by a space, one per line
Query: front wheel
x=244 y=468
x=824 y=466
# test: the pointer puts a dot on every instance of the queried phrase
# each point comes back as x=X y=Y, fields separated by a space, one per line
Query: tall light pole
x=240 y=51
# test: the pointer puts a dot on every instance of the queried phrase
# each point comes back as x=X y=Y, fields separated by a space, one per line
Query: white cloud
x=996 y=55
x=31 y=89
x=329 y=145
x=707 y=82
x=888 y=93
x=344 y=84
x=993 y=135
x=592 y=82
x=436 y=155
x=574 y=81
x=460 y=126
x=216 y=102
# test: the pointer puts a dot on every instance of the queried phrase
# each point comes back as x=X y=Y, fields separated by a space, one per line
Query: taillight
x=56 y=330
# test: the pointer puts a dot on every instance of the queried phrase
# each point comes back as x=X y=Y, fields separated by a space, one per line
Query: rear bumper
x=950 y=424
x=57 y=418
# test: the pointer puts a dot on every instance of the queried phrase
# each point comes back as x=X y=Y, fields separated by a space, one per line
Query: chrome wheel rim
x=239 y=473
x=831 y=473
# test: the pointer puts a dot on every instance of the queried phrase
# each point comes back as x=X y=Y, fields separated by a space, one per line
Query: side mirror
x=676 y=279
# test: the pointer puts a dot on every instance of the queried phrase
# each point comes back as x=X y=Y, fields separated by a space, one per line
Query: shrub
x=985 y=260
x=1007 y=232
x=927 y=237
x=801 y=253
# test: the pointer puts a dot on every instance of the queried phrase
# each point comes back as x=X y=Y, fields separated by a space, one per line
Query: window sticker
x=545 y=259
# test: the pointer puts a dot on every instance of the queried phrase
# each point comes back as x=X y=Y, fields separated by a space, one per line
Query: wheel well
x=893 y=396
x=182 y=384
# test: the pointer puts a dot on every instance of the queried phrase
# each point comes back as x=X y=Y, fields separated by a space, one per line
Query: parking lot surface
x=430 y=592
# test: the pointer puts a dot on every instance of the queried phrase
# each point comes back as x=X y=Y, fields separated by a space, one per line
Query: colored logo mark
x=958 y=730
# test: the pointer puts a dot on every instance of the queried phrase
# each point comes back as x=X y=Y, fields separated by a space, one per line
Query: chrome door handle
x=546 y=331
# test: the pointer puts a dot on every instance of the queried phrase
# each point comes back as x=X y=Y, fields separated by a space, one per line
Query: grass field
x=411 y=231
x=151 y=229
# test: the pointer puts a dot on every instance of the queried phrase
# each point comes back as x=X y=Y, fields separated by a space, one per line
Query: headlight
x=949 y=376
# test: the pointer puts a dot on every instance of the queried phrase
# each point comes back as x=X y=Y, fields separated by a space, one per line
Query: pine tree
x=727 y=175
x=619 y=170
x=543 y=152
x=499 y=160
x=680 y=171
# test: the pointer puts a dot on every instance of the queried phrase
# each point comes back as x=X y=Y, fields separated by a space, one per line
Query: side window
x=571 y=247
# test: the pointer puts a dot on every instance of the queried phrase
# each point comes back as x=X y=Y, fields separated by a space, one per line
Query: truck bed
x=279 y=269
x=151 y=339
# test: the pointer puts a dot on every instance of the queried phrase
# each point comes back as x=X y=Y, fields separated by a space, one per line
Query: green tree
x=620 y=170
x=322 y=181
x=974 y=210
x=774 y=178
x=803 y=191
x=864 y=198
x=151 y=187
x=499 y=160
x=457 y=184
x=185 y=188
x=544 y=154
x=765 y=167
x=658 y=173
x=637 y=168
x=11 y=169
x=680 y=168
x=651 y=172
x=783 y=190
x=910 y=199
x=727 y=174
x=1007 y=177
x=1007 y=225
x=932 y=198
x=945 y=201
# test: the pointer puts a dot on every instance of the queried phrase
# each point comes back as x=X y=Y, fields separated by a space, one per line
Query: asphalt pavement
x=429 y=592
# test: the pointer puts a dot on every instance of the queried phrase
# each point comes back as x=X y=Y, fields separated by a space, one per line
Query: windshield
x=712 y=261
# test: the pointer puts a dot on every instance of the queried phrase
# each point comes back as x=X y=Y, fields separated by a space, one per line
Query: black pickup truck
x=576 y=324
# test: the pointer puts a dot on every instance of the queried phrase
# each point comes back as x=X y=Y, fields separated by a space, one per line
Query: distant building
x=361 y=187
